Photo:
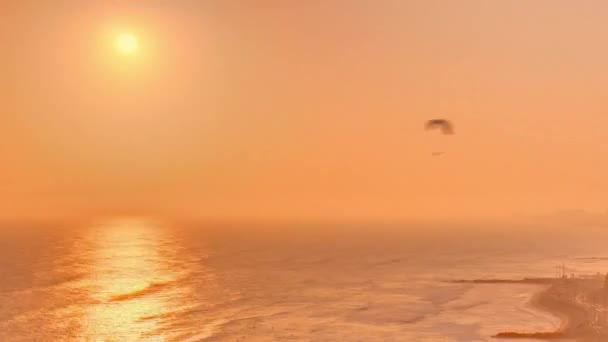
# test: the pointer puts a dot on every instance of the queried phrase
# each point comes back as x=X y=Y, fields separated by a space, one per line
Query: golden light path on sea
x=127 y=273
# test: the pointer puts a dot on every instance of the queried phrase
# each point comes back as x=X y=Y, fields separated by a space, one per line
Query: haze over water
x=137 y=280
x=300 y=111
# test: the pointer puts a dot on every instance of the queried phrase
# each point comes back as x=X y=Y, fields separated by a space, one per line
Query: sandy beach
x=567 y=299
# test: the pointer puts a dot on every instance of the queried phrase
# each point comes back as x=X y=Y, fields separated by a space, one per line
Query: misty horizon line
x=565 y=216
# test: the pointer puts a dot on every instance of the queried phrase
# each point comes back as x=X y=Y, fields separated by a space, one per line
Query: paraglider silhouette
x=444 y=125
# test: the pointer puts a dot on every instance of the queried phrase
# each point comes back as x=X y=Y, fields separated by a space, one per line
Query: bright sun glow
x=127 y=44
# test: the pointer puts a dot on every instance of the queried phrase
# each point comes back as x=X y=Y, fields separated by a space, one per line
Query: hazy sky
x=283 y=109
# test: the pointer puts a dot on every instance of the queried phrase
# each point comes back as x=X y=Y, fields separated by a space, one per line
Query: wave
x=150 y=289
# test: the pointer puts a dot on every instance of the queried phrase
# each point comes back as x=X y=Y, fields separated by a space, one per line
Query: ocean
x=139 y=280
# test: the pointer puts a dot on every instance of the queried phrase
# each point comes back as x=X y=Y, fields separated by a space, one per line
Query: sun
x=127 y=44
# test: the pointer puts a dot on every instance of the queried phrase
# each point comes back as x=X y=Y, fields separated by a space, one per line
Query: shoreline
x=565 y=298
x=570 y=314
x=537 y=302
x=543 y=300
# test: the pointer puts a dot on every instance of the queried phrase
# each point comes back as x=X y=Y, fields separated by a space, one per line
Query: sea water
x=136 y=280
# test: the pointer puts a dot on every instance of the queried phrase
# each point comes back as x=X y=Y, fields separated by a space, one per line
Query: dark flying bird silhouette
x=444 y=125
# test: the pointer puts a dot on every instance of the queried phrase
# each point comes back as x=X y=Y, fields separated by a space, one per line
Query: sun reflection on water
x=131 y=282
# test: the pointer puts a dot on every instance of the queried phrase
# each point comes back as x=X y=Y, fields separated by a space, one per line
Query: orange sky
x=303 y=109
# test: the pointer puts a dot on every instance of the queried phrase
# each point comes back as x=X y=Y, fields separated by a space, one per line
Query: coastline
x=570 y=314
x=563 y=299
x=543 y=300
x=569 y=299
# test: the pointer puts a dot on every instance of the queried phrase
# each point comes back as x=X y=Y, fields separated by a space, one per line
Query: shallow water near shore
x=136 y=280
